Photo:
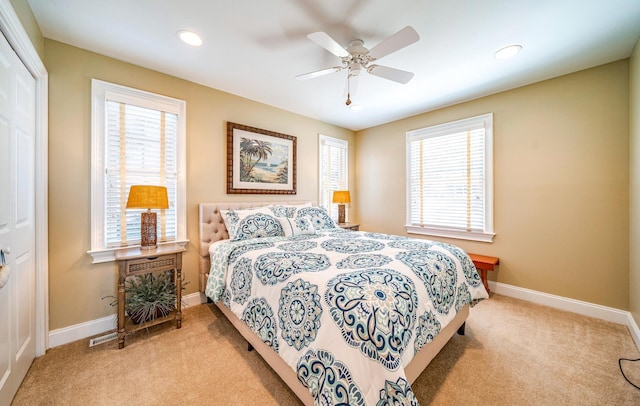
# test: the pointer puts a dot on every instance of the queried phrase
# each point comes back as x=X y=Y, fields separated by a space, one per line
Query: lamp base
x=341 y=213
x=148 y=237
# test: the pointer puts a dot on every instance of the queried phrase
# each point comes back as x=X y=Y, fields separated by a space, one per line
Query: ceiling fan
x=356 y=57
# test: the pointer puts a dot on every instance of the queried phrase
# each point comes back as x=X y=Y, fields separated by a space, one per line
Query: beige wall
x=560 y=183
x=634 y=226
x=75 y=285
x=28 y=21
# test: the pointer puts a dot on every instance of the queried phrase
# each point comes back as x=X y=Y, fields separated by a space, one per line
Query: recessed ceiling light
x=508 y=52
x=190 y=38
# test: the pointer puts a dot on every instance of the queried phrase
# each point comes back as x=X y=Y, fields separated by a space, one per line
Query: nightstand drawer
x=151 y=264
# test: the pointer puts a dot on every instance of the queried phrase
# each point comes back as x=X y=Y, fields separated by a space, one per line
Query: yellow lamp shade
x=147 y=197
x=341 y=196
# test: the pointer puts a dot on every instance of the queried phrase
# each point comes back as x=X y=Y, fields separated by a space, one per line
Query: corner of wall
x=634 y=183
x=31 y=27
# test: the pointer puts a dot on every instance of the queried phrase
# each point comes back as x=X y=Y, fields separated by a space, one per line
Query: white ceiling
x=255 y=48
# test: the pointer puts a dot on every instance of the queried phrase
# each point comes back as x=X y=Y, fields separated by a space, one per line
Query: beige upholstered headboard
x=212 y=229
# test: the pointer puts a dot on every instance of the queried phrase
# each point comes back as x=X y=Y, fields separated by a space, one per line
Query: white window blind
x=334 y=170
x=140 y=150
x=449 y=179
x=137 y=138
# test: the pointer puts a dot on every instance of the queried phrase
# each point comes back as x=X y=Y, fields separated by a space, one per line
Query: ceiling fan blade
x=325 y=41
x=399 y=40
x=318 y=73
x=397 y=75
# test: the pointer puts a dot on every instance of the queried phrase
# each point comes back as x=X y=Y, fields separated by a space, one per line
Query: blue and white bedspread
x=346 y=310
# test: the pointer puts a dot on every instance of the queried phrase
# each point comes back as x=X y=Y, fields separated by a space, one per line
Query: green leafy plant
x=150 y=296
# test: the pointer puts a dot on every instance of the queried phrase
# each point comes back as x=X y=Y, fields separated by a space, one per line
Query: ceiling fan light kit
x=356 y=57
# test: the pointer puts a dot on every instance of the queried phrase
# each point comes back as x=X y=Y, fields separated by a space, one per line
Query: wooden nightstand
x=134 y=261
x=349 y=226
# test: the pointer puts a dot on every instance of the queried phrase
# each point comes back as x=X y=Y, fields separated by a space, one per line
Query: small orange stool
x=484 y=263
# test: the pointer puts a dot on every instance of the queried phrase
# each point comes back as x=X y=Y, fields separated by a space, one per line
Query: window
x=450 y=179
x=137 y=138
x=334 y=171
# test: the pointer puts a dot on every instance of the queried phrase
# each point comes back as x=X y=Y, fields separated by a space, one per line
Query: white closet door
x=17 y=221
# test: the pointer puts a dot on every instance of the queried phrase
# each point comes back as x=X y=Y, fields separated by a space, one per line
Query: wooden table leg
x=483 y=276
x=179 y=297
x=121 y=332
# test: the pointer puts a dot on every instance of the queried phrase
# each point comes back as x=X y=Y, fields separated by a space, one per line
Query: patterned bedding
x=345 y=309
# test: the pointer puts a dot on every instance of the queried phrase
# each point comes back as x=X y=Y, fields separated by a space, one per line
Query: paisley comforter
x=345 y=309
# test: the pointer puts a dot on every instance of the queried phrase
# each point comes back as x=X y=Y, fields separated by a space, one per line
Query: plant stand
x=137 y=261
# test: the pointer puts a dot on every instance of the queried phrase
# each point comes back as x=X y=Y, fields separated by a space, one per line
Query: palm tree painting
x=263 y=161
x=260 y=161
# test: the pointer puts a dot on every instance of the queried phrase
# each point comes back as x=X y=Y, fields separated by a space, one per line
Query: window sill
x=108 y=255
x=448 y=233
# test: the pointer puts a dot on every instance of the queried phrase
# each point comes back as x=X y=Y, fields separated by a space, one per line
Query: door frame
x=15 y=33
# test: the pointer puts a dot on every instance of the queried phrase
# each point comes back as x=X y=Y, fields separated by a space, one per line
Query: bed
x=341 y=316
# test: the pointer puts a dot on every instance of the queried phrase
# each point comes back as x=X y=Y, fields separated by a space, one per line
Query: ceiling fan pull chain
x=348 y=102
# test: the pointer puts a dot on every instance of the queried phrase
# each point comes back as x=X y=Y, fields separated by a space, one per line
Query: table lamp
x=341 y=197
x=148 y=197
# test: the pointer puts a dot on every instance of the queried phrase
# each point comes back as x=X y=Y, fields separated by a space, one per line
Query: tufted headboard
x=212 y=229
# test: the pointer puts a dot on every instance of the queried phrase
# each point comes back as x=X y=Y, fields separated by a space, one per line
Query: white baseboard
x=76 y=332
x=634 y=330
x=91 y=328
x=193 y=299
x=571 y=305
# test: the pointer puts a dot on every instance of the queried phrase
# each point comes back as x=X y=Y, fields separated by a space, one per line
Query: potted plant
x=150 y=296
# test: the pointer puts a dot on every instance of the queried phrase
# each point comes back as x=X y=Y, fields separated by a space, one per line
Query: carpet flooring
x=513 y=353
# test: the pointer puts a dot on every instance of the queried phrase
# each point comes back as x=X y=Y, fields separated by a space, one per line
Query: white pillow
x=297 y=226
x=251 y=223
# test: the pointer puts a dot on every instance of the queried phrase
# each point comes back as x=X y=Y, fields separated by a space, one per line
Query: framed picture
x=260 y=161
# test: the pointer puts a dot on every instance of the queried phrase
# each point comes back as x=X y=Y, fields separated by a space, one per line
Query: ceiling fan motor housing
x=359 y=56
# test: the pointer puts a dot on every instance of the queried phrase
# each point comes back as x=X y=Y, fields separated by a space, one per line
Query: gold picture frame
x=260 y=161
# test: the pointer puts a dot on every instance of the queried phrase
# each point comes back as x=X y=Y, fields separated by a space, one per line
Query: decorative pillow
x=251 y=223
x=297 y=226
x=319 y=217
x=230 y=218
x=288 y=210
